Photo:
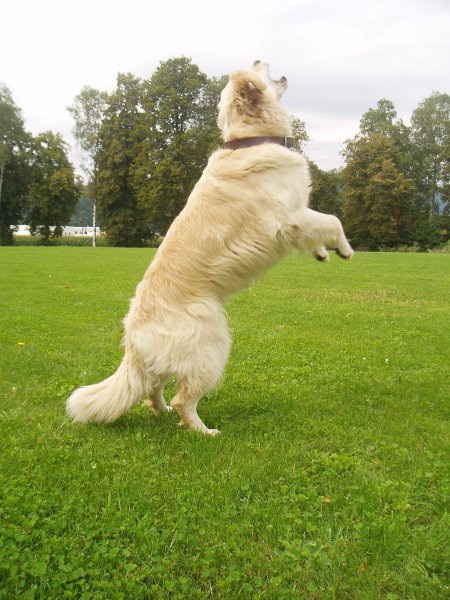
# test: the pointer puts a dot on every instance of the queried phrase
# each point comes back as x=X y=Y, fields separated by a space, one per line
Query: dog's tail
x=107 y=400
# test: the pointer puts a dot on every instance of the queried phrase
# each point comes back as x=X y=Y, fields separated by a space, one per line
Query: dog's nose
x=256 y=63
x=283 y=79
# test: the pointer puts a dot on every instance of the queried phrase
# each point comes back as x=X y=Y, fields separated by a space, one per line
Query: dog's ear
x=250 y=93
x=249 y=89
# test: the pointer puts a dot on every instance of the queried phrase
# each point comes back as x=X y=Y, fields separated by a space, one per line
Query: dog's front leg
x=314 y=232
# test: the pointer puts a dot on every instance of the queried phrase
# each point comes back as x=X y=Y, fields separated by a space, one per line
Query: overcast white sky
x=340 y=57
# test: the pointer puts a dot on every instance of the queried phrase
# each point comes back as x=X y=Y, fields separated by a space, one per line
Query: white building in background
x=68 y=230
x=22 y=230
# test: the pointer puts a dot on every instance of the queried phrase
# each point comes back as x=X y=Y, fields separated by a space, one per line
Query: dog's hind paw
x=211 y=431
x=158 y=409
x=200 y=429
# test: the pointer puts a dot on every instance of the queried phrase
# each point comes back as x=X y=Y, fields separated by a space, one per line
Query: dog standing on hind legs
x=248 y=210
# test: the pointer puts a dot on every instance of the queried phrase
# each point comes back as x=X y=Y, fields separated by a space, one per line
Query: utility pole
x=94 y=224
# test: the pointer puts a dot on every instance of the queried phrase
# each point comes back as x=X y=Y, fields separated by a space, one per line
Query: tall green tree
x=180 y=114
x=430 y=128
x=378 y=206
x=120 y=139
x=384 y=120
x=88 y=110
x=430 y=123
x=378 y=197
x=54 y=189
x=14 y=171
x=299 y=133
x=208 y=105
x=445 y=195
x=326 y=190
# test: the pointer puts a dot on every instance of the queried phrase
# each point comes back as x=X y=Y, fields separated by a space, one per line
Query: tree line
x=395 y=187
x=37 y=181
x=144 y=146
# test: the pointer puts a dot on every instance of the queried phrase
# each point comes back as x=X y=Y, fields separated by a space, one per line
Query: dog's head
x=277 y=87
x=250 y=105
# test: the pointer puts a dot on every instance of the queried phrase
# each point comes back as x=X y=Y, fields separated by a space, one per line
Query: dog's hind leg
x=186 y=400
x=202 y=372
x=189 y=392
x=156 y=399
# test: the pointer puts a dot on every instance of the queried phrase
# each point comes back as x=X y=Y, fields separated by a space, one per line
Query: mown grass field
x=329 y=479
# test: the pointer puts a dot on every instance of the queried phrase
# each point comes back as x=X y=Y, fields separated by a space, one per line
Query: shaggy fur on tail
x=107 y=400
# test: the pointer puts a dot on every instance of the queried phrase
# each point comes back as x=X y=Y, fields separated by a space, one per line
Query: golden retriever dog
x=248 y=210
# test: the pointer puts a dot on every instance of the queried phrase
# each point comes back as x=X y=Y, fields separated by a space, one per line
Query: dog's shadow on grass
x=141 y=420
x=231 y=420
x=241 y=419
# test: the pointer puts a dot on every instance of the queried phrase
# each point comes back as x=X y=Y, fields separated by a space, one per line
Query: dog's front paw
x=345 y=256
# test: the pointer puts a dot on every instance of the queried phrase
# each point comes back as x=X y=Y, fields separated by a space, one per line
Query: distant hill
x=82 y=217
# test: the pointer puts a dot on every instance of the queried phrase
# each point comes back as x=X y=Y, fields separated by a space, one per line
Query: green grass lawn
x=329 y=479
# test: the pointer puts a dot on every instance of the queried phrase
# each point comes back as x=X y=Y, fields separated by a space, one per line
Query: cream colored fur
x=247 y=211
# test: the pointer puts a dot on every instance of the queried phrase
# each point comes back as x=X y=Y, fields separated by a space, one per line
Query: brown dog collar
x=287 y=142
